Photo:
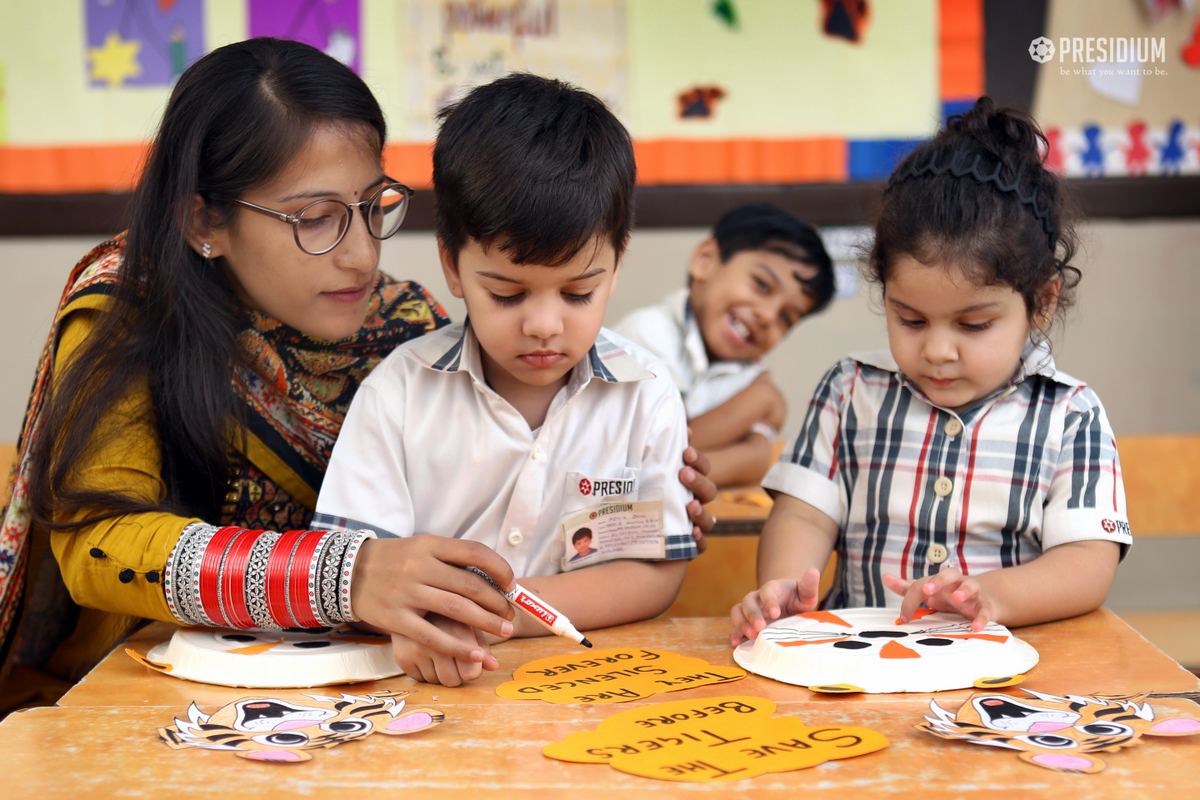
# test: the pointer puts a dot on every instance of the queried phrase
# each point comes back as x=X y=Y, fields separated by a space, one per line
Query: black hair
x=582 y=533
x=978 y=196
x=762 y=226
x=535 y=165
x=235 y=119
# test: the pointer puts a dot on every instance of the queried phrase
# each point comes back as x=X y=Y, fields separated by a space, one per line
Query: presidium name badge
x=609 y=525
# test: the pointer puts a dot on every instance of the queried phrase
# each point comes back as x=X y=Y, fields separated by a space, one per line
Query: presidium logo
x=1041 y=49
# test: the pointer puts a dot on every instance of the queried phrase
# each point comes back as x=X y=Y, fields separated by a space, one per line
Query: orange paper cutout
x=897 y=650
x=255 y=649
x=145 y=662
x=920 y=612
x=616 y=675
x=814 y=641
x=711 y=740
x=826 y=616
x=989 y=637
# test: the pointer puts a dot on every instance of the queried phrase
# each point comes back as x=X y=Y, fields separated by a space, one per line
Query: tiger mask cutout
x=1058 y=733
x=281 y=731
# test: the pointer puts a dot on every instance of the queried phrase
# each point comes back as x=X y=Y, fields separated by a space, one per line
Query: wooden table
x=101 y=739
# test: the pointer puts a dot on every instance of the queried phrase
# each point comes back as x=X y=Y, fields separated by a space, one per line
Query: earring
x=206 y=251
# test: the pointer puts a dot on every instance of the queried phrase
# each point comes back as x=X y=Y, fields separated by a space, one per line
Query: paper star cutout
x=116 y=60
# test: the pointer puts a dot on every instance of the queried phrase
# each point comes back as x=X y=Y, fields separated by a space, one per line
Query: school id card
x=616 y=527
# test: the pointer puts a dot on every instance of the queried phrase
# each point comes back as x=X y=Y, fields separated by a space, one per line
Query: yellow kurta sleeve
x=117 y=565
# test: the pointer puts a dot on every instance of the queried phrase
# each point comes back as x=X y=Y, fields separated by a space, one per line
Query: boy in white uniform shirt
x=759 y=274
x=528 y=422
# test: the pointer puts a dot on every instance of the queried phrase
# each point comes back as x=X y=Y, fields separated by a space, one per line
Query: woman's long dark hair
x=234 y=121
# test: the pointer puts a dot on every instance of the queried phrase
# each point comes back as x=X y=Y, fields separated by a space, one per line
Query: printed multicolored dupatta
x=297 y=390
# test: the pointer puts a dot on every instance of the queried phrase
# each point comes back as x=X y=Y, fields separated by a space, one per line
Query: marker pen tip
x=586 y=643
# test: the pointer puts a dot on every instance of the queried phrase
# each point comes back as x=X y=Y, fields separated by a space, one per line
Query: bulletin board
x=805 y=103
x=1118 y=92
x=713 y=91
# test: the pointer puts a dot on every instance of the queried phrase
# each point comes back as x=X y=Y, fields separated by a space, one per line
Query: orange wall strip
x=962 y=37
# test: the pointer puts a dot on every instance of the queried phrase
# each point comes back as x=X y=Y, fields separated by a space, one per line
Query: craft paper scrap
x=281 y=731
x=616 y=675
x=713 y=739
x=1058 y=733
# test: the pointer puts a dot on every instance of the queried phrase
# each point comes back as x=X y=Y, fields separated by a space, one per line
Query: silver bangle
x=256 y=581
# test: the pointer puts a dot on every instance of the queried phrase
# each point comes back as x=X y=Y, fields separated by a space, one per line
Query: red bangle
x=210 y=574
x=233 y=580
x=300 y=586
x=277 y=579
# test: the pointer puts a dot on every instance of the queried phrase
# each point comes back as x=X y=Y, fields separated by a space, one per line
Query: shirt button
x=953 y=427
x=515 y=537
x=937 y=554
x=537 y=452
x=943 y=486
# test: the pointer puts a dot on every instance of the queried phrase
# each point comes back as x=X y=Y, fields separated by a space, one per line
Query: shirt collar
x=1035 y=360
x=454 y=348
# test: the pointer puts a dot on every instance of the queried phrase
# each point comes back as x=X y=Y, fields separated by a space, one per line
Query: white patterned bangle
x=347 y=573
x=765 y=430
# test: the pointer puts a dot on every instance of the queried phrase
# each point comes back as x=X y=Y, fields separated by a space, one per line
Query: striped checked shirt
x=914 y=486
x=429 y=447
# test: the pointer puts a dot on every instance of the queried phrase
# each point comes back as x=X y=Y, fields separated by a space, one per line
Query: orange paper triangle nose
x=897 y=650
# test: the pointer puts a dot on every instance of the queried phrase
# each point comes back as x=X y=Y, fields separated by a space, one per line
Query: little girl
x=961 y=469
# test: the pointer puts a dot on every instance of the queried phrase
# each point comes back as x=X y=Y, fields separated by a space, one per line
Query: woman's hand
x=695 y=477
x=398 y=582
x=774 y=599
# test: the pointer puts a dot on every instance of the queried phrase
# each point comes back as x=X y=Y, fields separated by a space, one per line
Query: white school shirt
x=429 y=447
x=914 y=486
x=670 y=331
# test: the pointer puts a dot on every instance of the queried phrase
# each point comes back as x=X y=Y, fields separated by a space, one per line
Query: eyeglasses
x=320 y=226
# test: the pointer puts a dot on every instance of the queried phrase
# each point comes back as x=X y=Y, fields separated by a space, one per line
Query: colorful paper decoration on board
x=142 y=42
x=725 y=11
x=700 y=101
x=283 y=731
x=1137 y=149
x=869 y=649
x=331 y=26
x=847 y=19
x=1191 y=51
x=272 y=659
x=616 y=675
x=711 y=740
x=1058 y=733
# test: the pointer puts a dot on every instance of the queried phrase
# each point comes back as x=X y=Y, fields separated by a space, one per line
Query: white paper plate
x=864 y=648
x=264 y=659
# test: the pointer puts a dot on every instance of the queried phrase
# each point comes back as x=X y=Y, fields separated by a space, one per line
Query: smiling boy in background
x=759 y=274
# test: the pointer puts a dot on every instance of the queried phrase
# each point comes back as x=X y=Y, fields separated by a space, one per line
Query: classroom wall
x=1133 y=335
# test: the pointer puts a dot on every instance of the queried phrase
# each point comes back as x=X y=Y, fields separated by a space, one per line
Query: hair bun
x=1003 y=132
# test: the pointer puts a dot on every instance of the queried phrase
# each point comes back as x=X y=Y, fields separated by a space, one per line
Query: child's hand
x=774 y=410
x=423 y=663
x=949 y=590
x=775 y=599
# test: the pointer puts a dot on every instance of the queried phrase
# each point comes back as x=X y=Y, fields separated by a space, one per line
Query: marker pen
x=543 y=611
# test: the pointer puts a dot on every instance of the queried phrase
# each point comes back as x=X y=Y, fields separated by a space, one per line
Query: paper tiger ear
x=1176 y=726
x=1065 y=762
x=411 y=721
x=145 y=662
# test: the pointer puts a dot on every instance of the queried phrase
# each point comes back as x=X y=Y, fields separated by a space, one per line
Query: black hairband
x=932 y=168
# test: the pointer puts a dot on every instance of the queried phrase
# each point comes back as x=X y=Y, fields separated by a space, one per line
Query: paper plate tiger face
x=868 y=649
x=277 y=730
x=1059 y=733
